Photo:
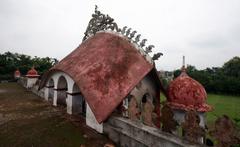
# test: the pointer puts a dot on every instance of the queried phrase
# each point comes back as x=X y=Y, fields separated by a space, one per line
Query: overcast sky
x=207 y=32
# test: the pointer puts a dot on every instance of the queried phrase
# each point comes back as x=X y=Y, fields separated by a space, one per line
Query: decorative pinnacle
x=99 y=22
x=183 y=66
x=156 y=56
x=124 y=30
x=149 y=48
x=183 y=61
x=132 y=34
x=142 y=44
x=96 y=7
x=128 y=32
x=137 y=39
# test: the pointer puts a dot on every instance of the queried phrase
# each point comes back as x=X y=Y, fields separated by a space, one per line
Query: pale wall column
x=46 y=93
x=55 y=78
x=31 y=82
x=55 y=98
x=179 y=116
x=92 y=122
x=69 y=102
x=202 y=116
x=74 y=103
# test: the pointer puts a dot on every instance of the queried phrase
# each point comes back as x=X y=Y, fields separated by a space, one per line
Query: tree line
x=219 y=80
x=223 y=80
x=9 y=62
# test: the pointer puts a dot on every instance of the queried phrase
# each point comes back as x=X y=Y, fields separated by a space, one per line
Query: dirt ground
x=26 y=120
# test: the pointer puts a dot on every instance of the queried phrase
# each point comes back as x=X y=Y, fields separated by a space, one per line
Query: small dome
x=185 y=93
x=32 y=73
x=17 y=73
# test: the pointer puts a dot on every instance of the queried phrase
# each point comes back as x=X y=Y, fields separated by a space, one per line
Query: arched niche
x=78 y=101
x=51 y=90
x=62 y=90
x=147 y=105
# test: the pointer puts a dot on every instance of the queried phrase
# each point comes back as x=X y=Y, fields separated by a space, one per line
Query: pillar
x=69 y=102
x=55 y=98
x=74 y=103
x=46 y=93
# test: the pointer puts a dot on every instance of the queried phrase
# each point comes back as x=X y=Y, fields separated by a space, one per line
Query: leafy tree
x=176 y=73
x=224 y=80
x=232 y=67
x=9 y=62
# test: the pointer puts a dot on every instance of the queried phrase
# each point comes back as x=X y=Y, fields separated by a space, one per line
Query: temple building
x=185 y=94
x=31 y=78
x=111 y=80
x=17 y=74
x=109 y=71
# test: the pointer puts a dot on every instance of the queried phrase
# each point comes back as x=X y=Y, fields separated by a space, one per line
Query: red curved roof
x=106 y=67
x=187 y=94
x=32 y=73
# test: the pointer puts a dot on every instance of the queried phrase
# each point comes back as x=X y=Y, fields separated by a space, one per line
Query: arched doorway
x=78 y=101
x=148 y=114
x=146 y=98
x=62 y=91
x=51 y=90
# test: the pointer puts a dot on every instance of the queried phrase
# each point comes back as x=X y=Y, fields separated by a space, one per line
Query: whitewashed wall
x=72 y=101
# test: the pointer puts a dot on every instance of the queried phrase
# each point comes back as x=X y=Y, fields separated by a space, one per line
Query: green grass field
x=222 y=104
x=228 y=105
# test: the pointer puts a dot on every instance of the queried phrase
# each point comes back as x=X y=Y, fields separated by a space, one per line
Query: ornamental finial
x=183 y=65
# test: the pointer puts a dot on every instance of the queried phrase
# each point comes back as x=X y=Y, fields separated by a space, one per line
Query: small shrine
x=110 y=69
x=111 y=81
x=17 y=74
x=32 y=77
x=185 y=94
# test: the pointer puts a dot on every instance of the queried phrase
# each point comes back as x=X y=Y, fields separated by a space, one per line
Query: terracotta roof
x=32 y=73
x=186 y=93
x=106 y=67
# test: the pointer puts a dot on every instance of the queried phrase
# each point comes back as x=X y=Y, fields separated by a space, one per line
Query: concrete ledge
x=135 y=134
